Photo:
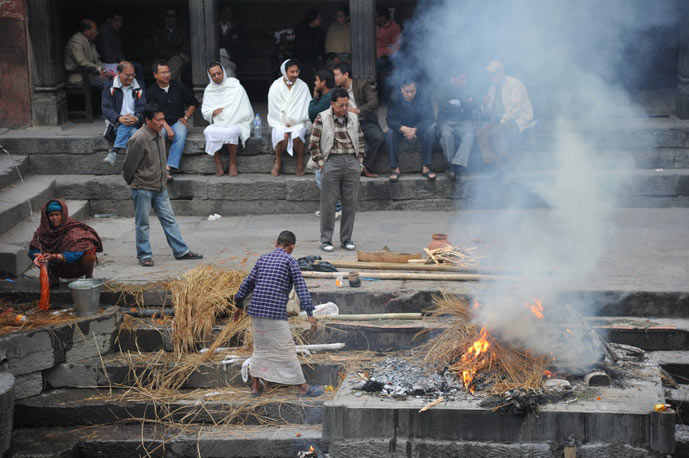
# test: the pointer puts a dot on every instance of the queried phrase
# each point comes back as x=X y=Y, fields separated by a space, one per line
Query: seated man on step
x=227 y=109
x=68 y=246
x=288 y=115
x=123 y=104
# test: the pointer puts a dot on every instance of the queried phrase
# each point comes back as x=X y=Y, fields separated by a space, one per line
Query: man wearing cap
x=509 y=112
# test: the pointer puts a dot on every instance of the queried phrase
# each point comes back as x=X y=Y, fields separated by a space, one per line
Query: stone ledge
x=7 y=383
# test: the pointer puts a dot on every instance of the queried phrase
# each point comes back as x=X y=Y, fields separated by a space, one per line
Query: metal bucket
x=86 y=295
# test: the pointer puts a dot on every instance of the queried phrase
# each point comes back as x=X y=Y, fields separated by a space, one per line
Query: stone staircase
x=74 y=418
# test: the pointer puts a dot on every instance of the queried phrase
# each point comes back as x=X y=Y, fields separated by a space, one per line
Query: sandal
x=146 y=262
x=429 y=174
x=394 y=177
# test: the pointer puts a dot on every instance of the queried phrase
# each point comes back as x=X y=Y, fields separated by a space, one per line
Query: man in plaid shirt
x=271 y=280
x=338 y=149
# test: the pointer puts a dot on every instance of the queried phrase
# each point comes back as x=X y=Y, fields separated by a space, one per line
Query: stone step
x=201 y=195
x=14 y=244
x=81 y=407
x=214 y=374
x=218 y=441
x=12 y=169
x=20 y=200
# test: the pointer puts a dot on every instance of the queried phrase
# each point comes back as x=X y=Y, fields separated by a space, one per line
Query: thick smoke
x=573 y=58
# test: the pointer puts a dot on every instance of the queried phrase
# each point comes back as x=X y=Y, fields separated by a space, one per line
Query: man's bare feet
x=233 y=170
x=276 y=169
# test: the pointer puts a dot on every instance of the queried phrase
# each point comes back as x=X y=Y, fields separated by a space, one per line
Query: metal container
x=86 y=295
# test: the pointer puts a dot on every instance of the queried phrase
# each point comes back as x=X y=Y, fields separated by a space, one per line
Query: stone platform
x=371 y=426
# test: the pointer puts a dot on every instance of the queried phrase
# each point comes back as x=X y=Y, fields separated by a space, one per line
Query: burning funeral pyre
x=469 y=361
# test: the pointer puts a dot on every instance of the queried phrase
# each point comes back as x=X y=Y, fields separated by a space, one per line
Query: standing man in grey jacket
x=338 y=148
x=144 y=171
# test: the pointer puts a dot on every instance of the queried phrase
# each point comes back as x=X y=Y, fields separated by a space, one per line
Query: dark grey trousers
x=340 y=181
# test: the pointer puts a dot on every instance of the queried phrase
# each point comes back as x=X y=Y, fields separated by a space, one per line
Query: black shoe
x=190 y=256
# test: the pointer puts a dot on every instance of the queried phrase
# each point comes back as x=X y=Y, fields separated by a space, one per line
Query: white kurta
x=516 y=101
x=288 y=111
x=234 y=122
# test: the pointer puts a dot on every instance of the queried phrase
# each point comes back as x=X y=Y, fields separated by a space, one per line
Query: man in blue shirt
x=271 y=280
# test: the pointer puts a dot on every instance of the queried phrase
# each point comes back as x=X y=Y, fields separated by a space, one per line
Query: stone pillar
x=363 y=26
x=15 y=90
x=204 y=46
x=49 y=102
x=682 y=103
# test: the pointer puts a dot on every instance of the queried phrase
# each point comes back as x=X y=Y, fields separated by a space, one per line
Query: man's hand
x=316 y=93
x=408 y=132
x=128 y=120
x=314 y=323
x=39 y=259
x=354 y=110
x=56 y=257
x=183 y=120
x=217 y=111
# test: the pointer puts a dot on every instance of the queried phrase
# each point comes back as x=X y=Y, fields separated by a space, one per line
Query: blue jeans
x=426 y=135
x=452 y=132
x=319 y=175
x=177 y=145
x=124 y=133
x=160 y=201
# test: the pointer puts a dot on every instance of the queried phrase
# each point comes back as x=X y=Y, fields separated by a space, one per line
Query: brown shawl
x=71 y=235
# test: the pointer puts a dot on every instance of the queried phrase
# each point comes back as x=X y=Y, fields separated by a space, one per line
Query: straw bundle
x=199 y=296
x=502 y=367
x=12 y=320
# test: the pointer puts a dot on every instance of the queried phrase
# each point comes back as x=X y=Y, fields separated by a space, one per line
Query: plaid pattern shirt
x=271 y=281
x=342 y=143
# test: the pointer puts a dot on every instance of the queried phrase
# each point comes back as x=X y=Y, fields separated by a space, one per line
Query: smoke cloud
x=573 y=58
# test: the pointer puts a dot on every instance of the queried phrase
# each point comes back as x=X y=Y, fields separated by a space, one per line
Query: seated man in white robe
x=288 y=115
x=228 y=110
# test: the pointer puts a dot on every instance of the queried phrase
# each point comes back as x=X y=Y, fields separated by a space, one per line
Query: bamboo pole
x=373 y=316
x=407 y=267
x=407 y=276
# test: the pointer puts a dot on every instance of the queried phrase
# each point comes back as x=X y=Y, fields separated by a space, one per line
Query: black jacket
x=111 y=101
x=173 y=102
x=417 y=113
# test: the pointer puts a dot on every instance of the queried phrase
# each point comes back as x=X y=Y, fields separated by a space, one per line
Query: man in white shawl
x=228 y=110
x=288 y=115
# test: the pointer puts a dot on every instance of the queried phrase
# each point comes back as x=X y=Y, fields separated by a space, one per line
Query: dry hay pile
x=461 y=257
x=479 y=359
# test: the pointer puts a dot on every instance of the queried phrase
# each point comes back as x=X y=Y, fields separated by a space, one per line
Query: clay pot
x=438 y=241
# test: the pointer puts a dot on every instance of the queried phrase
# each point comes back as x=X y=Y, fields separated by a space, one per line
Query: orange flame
x=536 y=308
x=547 y=373
x=472 y=358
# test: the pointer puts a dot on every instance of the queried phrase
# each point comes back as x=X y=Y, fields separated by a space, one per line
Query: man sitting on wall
x=288 y=115
x=509 y=112
x=410 y=117
x=178 y=103
x=227 y=109
x=81 y=56
x=123 y=104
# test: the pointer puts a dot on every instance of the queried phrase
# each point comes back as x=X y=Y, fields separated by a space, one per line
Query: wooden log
x=320 y=347
x=409 y=266
x=386 y=256
x=408 y=276
x=374 y=316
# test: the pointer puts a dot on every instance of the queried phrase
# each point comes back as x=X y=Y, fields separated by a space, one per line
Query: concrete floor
x=644 y=249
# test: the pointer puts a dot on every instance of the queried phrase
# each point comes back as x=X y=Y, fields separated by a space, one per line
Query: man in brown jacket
x=81 y=56
x=144 y=171
x=363 y=101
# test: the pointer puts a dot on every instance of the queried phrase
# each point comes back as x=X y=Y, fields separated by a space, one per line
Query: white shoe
x=111 y=157
x=338 y=215
x=318 y=213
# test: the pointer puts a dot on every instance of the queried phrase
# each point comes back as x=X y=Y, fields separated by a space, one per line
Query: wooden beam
x=363 y=27
x=406 y=276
